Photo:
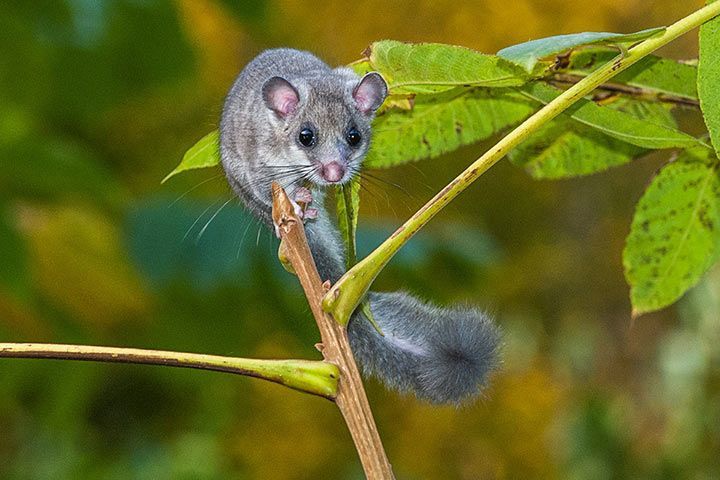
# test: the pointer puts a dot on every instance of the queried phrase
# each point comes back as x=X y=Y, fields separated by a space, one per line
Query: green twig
x=345 y=295
x=315 y=377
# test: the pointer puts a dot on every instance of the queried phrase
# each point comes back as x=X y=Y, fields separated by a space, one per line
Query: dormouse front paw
x=300 y=200
x=302 y=197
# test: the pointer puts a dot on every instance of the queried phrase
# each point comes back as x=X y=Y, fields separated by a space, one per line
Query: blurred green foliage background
x=98 y=101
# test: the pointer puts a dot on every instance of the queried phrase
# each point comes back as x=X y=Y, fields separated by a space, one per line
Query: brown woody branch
x=351 y=398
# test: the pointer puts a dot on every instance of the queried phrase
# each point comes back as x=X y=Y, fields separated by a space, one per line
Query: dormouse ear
x=370 y=93
x=280 y=96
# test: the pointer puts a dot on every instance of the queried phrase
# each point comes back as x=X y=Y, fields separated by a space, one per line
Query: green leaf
x=660 y=78
x=348 y=207
x=205 y=153
x=362 y=66
x=653 y=112
x=566 y=148
x=529 y=53
x=709 y=78
x=615 y=123
x=675 y=234
x=441 y=123
x=434 y=67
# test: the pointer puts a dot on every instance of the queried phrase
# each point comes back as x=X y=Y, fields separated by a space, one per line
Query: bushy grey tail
x=443 y=355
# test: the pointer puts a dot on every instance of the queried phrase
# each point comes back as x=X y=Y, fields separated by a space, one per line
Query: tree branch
x=315 y=377
x=566 y=79
x=335 y=347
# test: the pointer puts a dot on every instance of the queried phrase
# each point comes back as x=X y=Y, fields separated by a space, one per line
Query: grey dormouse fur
x=290 y=118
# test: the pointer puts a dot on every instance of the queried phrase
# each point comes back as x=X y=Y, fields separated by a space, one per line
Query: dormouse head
x=325 y=122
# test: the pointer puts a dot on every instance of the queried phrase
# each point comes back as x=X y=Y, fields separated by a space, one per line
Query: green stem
x=350 y=214
x=315 y=377
x=345 y=295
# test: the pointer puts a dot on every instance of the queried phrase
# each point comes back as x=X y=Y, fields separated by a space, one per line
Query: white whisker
x=197 y=220
x=212 y=218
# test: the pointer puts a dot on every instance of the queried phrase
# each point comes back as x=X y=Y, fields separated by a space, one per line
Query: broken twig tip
x=283 y=212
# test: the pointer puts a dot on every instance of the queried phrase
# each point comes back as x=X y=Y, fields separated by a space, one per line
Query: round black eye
x=353 y=137
x=306 y=137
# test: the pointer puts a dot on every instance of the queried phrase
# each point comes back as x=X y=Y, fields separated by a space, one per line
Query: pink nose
x=333 y=172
